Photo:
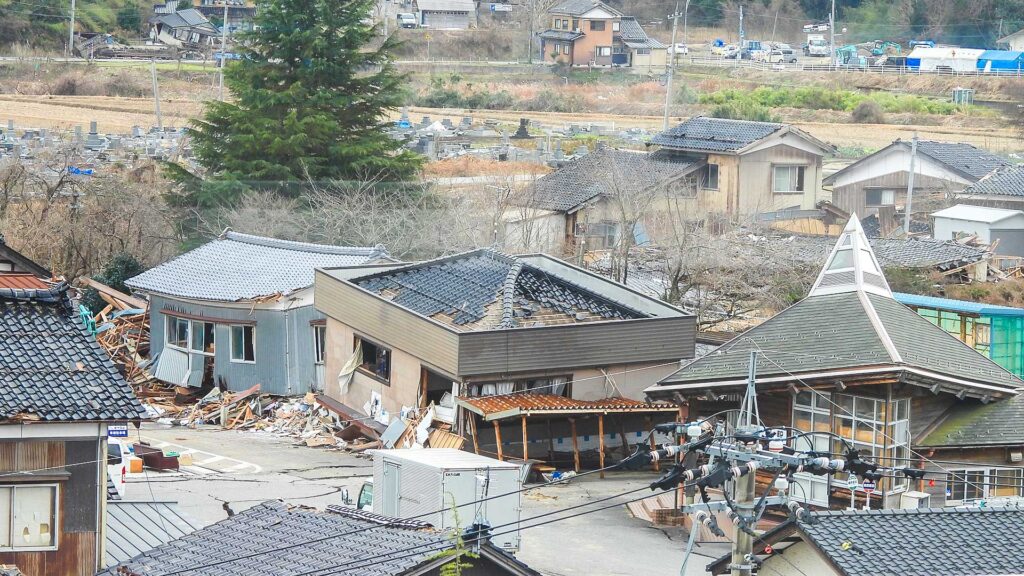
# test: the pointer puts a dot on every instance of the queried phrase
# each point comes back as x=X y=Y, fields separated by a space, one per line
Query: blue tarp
x=1001 y=60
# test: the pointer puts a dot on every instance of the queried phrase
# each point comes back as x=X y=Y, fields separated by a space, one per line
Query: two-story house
x=591 y=33
x=60 y=392
x=700 y=168
x=238 y=311
x=513 y=329
x=857 y=369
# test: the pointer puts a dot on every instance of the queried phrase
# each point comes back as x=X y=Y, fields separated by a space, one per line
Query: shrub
x=75 y=83
x=868 y=112
x=743 y=110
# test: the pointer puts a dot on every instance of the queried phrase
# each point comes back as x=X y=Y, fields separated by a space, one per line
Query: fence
x=851 y=69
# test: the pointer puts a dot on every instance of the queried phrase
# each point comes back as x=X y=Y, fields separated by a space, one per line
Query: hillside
x=45 y=25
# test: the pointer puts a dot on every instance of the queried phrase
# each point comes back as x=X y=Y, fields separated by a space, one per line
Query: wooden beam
x=600 y=442
x=575 y=444
x=497 y=438
x=472 y=428
x=526 y=450
x=125 y=299
x=625 y=442
x=423 y=387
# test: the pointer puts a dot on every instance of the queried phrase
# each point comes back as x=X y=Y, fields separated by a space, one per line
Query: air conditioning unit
x=577 y=30
x=911 y=500
x=1016 y=456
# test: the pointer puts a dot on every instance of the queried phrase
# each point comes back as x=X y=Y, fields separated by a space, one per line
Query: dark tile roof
x=835 y=331
x=715 y=134
x=1007 y=181
x=137 y=527
x=562 y=35
x=972 y=424
x=577 y=7
x=962 y=157
x=273 y=524
x=112 y=493
x=630 y=29
x=470 y=288
x=923 y=542
x=891 y=252
x=237 y=266
x=604 y=172
x=52 y=368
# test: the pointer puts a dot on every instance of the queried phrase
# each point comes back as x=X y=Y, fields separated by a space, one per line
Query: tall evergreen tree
x=310 y=94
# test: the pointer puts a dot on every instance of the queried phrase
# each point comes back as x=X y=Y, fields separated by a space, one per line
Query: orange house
x=583 y=32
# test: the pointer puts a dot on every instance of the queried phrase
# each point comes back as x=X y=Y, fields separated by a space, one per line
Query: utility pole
x=910 y=185
x=71 y=32
x=671 y=66
x=832 y=35
x=223 y=52
x=749 y=423
x=156 y=96
x=741 y=27
x=529 y=39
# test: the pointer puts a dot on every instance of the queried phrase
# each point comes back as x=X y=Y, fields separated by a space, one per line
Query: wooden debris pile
x=122 y=329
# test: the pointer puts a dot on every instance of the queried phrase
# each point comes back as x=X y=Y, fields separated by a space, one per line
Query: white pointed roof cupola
x=852 y=266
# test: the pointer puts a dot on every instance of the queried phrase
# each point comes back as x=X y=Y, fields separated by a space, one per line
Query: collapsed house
x=548 y=341
x=239 y=311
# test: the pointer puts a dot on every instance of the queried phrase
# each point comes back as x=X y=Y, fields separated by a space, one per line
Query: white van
x=118 y=453
x=406 y=20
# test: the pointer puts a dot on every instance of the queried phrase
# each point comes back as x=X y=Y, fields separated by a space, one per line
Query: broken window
x=242 y=348
x=319 y=343
x=27 y=516
x=711 y=177
x=597 y=25
x=202 y=337
x=376 y=360
x=788 y=179
x=879 y=197
x=177 y=332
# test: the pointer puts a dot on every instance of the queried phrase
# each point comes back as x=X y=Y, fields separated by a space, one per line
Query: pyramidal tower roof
x=852 y=266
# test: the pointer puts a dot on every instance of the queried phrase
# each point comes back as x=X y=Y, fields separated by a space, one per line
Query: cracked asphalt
x=609 y=542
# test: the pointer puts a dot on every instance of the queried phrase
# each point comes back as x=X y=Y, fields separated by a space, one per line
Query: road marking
x=205 y=463
x=208 y=461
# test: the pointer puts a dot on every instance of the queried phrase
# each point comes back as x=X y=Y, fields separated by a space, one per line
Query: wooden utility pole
x=832 y=35
x=156 y=96
x=71 y=32
x=910 y=185
x=223 y=52
x=671 y=66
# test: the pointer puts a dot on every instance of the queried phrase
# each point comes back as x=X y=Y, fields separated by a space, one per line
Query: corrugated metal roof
x=20 y=280
x=445 y=458
x=957 y=305
x=240 y=266
x=509 y=405
x=1001 y=55
x=976 y=213
x=137 y=527
x=446 y=5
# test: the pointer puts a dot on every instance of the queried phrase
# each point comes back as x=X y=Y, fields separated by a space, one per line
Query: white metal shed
x=989 y=224
x=446 y=14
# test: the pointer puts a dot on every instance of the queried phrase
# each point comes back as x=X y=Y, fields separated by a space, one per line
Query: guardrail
x=722 y=62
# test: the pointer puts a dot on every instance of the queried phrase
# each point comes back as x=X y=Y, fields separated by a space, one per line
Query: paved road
x=240 y=469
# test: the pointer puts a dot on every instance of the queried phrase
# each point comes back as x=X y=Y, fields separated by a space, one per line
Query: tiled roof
x=561 y=35
x=273 y=525
x=607 y=172
x=239 y=267
x=137 y=527
x=21 y=280
x=962 y=157
x=488 y=289
x=52 y=368
x=715 y=134
x=923 y=542
x=891 y=252
x=972 y=424
x=1007 y=181
x=834 y=332
x=630 y=29
x=514 y=404
x=577 y=7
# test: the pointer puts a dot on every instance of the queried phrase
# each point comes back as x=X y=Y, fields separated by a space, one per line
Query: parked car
x=118 y=453
x=730 y=50
x=679 y=48
x=816 y=27
x=782 y=56
x=406 y=20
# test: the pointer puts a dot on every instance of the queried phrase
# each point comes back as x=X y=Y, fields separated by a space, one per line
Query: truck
x=432 y=484
x=406 y=20
x=817 y=45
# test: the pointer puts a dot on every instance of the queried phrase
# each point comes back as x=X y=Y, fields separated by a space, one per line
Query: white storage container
x=420 y=483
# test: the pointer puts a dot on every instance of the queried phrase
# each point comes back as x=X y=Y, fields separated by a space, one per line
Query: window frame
x=54 y=518
x=213 y=340
x=881 y=197
x=565 y=49
x=172 y=321
x=601 y=51
x=252 y=343
x=319 y=344
x=616 y=26
x=988 y=475
x=706 y=183
x=594 y=25
x=361 y=341
x=801 y=178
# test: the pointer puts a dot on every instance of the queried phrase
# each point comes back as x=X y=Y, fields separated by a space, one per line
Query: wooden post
x=497 y=438
x=654 y=445
x=472 y=428
x=575 y=444
x=423 y=387
x=526 y=452
x=600 y=442
x=551 y=443
x=625 y=442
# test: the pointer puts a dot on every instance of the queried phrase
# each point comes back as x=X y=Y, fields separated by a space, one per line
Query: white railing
x=851 y=69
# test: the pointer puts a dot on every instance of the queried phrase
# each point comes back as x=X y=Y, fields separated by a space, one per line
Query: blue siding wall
x=284 y=345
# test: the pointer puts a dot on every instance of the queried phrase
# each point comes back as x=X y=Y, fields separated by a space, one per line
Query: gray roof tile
x=465 y=286
x=137 y=527
x=52 y=367
x=715 y=134
x=831 y=332
x=972 y=423
x=563 y=35
x=1007 y=181
x=577 y=7
x=963 y=157
x=891 y=252
x=630 y=29
x=604 y=172
x=273 y=525
x=240 y=266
